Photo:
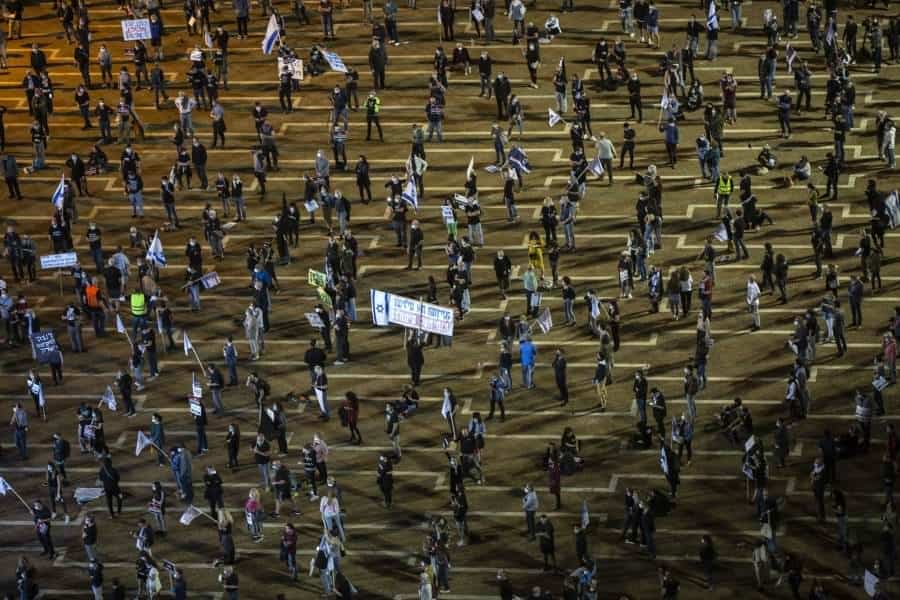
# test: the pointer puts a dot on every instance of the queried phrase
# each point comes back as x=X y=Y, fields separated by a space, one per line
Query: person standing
x=527 y=357
x=89 y=537
x=530 y=506
x=320 y=387
x=547 y=542
x=42 y=518
x=559 y=371
x=373 y=108
x=606 y=152
x=753 y=297
x=19 y=424
x=261 y=453
x=385 y=479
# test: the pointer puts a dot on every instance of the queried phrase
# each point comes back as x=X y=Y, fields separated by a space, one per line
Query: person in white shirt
x=606 y=152
x=753 y=294
x=887 y=146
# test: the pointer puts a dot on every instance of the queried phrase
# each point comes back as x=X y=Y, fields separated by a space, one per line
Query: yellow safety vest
x=138 y=304
x=725 y=185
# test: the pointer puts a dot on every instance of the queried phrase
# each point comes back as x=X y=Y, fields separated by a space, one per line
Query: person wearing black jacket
x=212 y=490
x=385 y=479
x=503 y=270
x=124 y=384
x=415 y=359
x=109 y=478
x=484 y=72
x=377 y=63
x=634 y=97
x=200 y=426
x=559 y=371
x=199 y=158
x=502 y=90
x=416 y=243
x=363 y=182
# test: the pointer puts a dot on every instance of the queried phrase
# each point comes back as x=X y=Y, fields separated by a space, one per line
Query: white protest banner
x=295 y=67
x=196 y=407
x=59 y=261
x=437 y=319
x=136 y=29
x=315 y=321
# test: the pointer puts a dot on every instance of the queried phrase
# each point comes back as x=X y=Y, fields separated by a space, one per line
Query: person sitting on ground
x=766 y=159
x=802 y=170
x=551 y=28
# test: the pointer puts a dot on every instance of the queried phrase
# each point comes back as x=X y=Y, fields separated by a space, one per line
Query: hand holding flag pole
x=120 y=327
x=189 y=347
x=5 y=487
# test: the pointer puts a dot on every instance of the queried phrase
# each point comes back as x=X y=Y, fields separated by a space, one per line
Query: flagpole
x=13 y=490
x=199 y=362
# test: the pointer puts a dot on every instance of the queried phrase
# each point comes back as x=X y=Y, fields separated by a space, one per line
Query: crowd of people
x=126 y=286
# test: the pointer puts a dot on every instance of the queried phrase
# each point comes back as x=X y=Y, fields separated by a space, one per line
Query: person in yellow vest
x=724 y=187
x=139 y=311
x=96 y=305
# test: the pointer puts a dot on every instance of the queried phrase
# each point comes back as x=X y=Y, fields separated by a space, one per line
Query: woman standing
x=289 y=548
x=673 y=289
x=600 y=374
x=226 y=539
x=686 y=283
x=536 y=255
x=157 y=508
x=253 y=508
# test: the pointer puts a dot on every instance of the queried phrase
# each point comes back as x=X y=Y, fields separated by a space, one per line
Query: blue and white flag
x=271 y=36
x=380 y=303
x=59 y=194
x=207 y=38
x=519 y=160
x=664 y=101
x=712 y=19
x=109 y=399
x=155 y=252
x=210 y=280
x=553 y=117
x=596 y=167
x=334 y=61
x=664 y=460
x=585 y=515
x=411 y=194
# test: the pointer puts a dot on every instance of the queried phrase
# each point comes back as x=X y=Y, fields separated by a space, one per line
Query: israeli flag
x=334 y=61
x=271 y=36
x=664 y=101
x=596 y=167
x=410 y=194
x=207 y=38
x=553 y=117
x=712 y=19
x=519 y=160
x=155 y=252
x=59 y=194
x=380 y=302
